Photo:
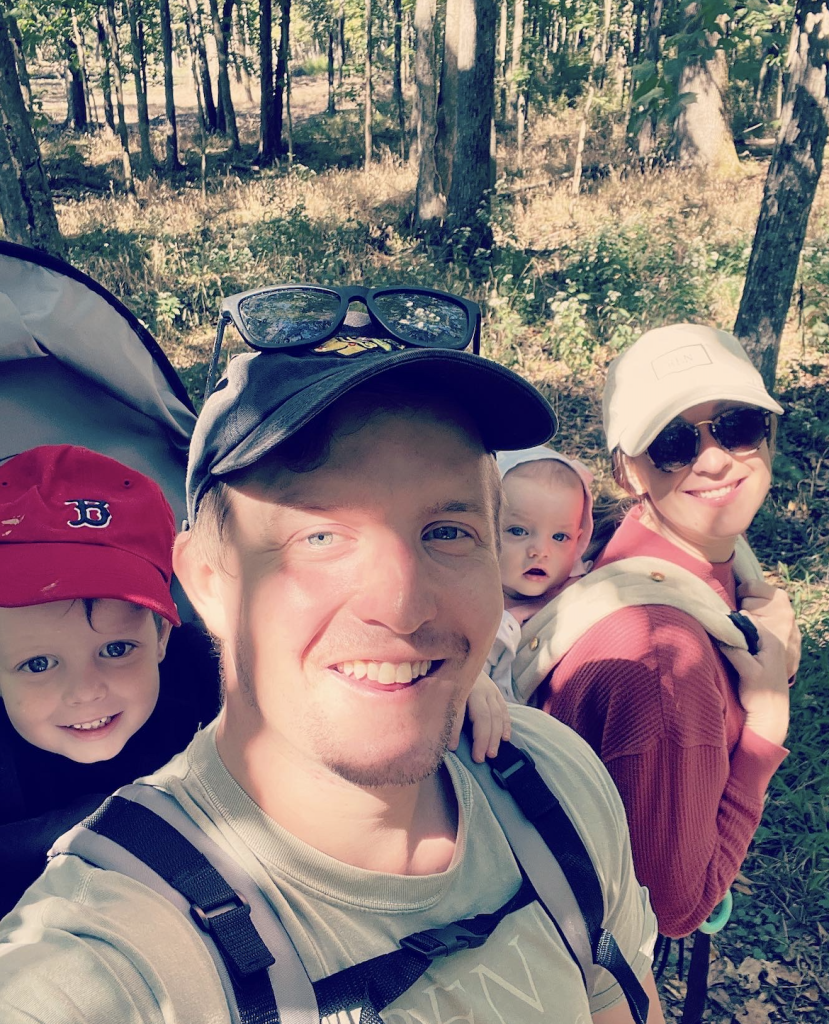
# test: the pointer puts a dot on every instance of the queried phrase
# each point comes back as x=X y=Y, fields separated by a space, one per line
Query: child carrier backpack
x=640 y=580
x=79 y=368
x=143 y=833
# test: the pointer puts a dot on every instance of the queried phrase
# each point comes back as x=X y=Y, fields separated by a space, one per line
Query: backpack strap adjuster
x=207 y=918
x=437 y=942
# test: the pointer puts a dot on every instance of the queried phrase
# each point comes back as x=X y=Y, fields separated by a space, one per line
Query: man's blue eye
x=42 y=663
x=446 y=533
x=321 y=539
x=117 y=649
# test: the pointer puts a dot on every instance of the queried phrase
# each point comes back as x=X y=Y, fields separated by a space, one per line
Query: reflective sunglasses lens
x=288 y=316
x=674 y=447
x=740 y=430
x=424 y=319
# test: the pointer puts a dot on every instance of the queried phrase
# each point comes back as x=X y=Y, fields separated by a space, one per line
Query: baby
x=546 y=525
x=85 y=620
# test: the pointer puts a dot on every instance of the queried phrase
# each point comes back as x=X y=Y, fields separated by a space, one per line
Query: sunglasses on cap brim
x=289 y=316
x=739 y=431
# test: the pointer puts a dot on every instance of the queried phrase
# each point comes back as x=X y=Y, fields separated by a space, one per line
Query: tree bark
x=367 y=91
x=20 y=58
x=146 y=161
x=115 y=56
x=76 y=118
x=467 y=95
x=171 y=162
x=227 y=113
x=12 y=209
x=516 y=67
x=332 y=106
x=106 y=76
x=341 y=33
x=281 y=88
x=790 y=187
x=36 y=209
x=399 y=104
x=268 y=133
x=210 y=112
x=501 y=61
x=430 y=202
x=702 y=133
x=646 y=140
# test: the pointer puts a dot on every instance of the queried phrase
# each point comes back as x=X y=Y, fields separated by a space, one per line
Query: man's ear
x=202 y=581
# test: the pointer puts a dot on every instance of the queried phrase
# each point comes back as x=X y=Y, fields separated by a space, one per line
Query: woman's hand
x=764 y=677
x=490 y=719
x=774 y=607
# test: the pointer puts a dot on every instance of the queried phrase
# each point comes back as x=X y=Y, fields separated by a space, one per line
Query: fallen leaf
x=812 y=993
x=755 y=1011
x=750 y=969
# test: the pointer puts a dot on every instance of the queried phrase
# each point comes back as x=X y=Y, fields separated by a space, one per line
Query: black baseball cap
x=266 y=397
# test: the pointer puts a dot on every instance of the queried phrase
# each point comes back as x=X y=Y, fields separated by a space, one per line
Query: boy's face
x=541 y=526
x=77 y=689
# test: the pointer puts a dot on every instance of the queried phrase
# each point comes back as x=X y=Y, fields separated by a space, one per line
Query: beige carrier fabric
x=551 y=632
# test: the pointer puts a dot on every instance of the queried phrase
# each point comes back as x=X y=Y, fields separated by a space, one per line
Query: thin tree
x=197 y=32
x=268 y=131
x=171 y=161
x=123 y=135
x=221 y=32
x=331 y=108
x=106 y=75
x=282 y=55
x=430 y=202
x=368 y=141
x=399 y=104
x=790 y=187
x=76 y=118
x=646 y=137
x=21 y=153
x=146 y=159
x=20 y=58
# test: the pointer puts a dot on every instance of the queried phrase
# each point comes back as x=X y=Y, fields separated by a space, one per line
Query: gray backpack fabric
x=641 y=580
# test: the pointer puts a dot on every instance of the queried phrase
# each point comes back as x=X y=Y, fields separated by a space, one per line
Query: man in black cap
x=343 y=551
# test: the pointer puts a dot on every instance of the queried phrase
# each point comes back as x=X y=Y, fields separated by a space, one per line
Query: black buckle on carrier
x=206 y=919
x=436 y=942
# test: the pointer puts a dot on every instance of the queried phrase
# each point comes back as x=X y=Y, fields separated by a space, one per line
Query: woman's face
x=705 y=506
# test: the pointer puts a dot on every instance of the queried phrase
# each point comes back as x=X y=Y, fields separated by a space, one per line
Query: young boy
x=546 y=525
x=85 y=621
x=88 y=701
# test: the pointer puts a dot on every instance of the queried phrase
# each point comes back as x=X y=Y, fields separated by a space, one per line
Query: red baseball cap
x=75 y=524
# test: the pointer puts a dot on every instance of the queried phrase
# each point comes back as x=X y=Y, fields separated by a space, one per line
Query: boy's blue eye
x=517 y=531
x=561 y=537
x=117 y=649
x=42 y=663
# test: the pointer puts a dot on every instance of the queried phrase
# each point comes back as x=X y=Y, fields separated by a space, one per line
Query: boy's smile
x=77 y=688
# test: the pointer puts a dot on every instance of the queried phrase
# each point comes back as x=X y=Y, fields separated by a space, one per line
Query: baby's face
x=76 y=690
x=541 y=526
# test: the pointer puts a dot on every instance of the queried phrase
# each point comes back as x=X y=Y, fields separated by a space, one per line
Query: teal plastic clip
x=719 y=918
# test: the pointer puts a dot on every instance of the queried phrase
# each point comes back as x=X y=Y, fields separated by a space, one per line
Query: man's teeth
x=99 y=723
x=718 y=492
x=385 y=672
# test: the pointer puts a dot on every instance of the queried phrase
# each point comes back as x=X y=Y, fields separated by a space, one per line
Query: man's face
x=361 y=598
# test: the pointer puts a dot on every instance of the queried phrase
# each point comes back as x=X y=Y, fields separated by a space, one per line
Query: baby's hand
x=490 y=719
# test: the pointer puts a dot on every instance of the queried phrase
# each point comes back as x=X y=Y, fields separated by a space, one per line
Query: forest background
x=584 y=169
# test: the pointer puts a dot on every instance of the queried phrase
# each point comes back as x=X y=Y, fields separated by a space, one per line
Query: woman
x=690 y=734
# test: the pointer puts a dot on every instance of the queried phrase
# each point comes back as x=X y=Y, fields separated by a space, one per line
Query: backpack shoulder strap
x=550 y=850
x=144 y=834
x=641 y=580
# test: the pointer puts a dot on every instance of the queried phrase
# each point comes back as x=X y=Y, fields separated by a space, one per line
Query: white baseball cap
x=668 y=370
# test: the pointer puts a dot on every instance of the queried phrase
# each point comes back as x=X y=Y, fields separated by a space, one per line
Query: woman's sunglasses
x=291 y=315
x=740 y=431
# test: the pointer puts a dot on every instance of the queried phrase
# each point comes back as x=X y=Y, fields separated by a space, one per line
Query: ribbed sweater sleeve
x=646 y=688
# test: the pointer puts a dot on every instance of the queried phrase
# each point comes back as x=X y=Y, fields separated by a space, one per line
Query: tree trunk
x=20 y=58
x=646 y=140
x=400 y=106
x=106 y=76
x=197 y=85
x=790 y=187
x=227 y=113
x=76 y=118
x=341 y=31
x=430 y=202
x=332 y=107
x=210 y=112
x=80 y=50
x=36 y=209
x=467 y=96
x=147 y=162
x=115 y=56
x=501 y=62
x=268 y=133
x=702 y=133
x=516 y=68
x=282 y=54
x=367 y=136
x=12 y=209
x=171 y=163
x=244 y=42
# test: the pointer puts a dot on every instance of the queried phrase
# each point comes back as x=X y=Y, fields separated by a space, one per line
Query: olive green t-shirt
x=87 y=946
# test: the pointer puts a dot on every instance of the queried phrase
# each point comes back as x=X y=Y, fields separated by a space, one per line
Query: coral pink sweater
x=650 y=692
